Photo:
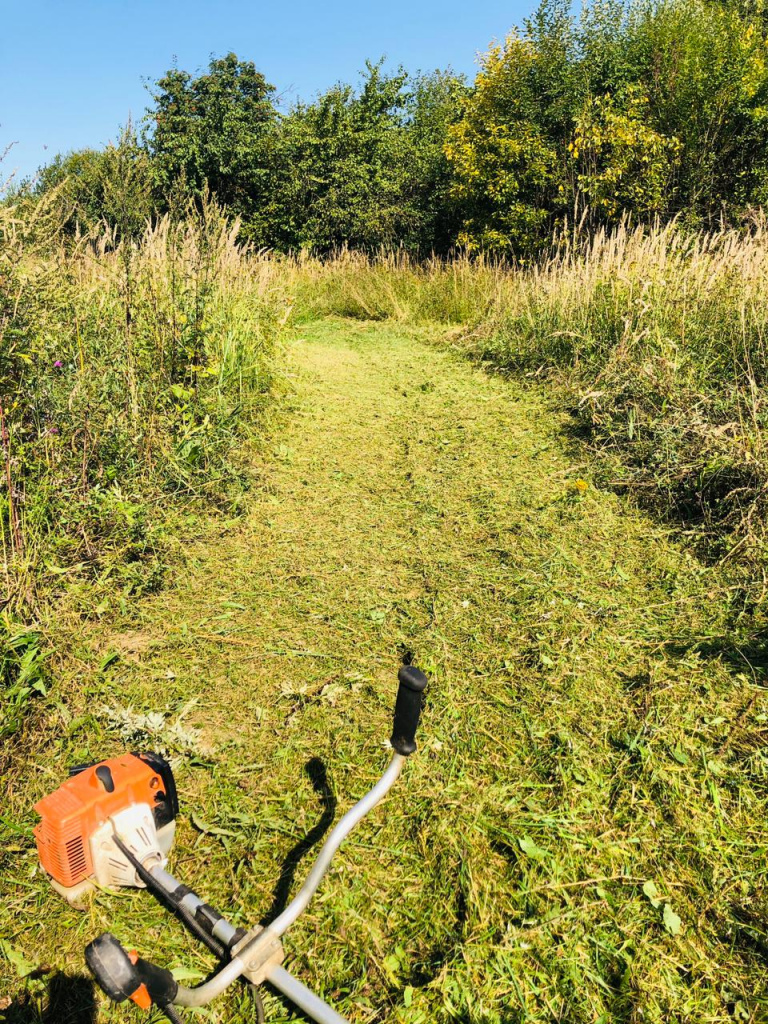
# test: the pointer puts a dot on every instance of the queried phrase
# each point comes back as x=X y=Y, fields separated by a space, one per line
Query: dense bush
x=90 y=189
x=642 y=108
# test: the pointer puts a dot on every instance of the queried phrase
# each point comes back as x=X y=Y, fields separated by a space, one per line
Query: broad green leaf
x=211 y=830
x=17 y=960
x=530 y=849
x=184 y=974
x=671 y=921
x=679 y=754
x=650 y=890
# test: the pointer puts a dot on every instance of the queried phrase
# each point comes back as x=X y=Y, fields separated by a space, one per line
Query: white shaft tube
x=203 y=994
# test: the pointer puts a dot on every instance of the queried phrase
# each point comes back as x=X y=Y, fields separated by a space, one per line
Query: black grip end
x=112 y=968
x=121 y=975
x=412 y=677
x=407 y=709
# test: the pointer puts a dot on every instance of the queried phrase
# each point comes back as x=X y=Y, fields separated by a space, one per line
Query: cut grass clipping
x=581 y=836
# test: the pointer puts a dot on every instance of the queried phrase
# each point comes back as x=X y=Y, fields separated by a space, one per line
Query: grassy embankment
x=582 y=835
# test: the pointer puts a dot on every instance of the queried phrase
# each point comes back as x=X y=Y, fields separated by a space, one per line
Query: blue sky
x=71 y=71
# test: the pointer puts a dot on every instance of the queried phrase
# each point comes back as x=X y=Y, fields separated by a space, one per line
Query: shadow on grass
x=749 y=656
x=71 y=1000
x=318 y=776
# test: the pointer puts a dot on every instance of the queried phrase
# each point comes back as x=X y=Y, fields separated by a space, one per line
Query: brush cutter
x=112 y=823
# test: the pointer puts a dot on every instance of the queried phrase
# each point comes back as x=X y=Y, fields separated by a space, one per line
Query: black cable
x=171 y=1014
x=162 y=894
x=256 y=997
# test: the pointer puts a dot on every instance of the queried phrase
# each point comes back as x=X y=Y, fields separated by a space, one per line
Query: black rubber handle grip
x=407 y=709
x=121 y=977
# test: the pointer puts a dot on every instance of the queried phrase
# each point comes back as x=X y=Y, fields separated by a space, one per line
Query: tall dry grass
x=126 y=367
x=660 y=338
x=395 y=286
x=131 y=370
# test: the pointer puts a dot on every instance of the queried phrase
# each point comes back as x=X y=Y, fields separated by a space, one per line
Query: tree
x=363 y=168
x=703 y=66
x=508 y=175
x=210 y=132
x=639 y=107
x=111 y=186
x=622 y=163
x=434 y=105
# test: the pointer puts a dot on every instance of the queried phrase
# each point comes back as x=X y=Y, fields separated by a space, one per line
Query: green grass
x=656 y=338
x=591 y=731
x=131 y=372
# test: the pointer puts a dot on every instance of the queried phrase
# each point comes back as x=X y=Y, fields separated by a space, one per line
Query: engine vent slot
x=76 y=856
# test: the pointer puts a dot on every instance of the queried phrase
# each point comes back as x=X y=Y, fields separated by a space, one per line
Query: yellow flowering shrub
x=620 y=161
x=505 y=169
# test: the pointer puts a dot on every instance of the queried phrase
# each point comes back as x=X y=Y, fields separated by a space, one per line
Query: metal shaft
x=303 y=997
x=355 y=814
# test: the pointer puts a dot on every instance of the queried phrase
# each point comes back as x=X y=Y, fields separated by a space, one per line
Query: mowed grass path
x=588 y=732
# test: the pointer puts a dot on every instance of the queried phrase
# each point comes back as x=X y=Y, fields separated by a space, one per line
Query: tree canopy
x=639 y=108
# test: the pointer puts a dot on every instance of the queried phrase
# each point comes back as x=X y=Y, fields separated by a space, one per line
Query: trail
x=410 y=505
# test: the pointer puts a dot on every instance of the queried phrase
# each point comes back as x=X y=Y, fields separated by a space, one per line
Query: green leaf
x=650 y=890
x=210 y=830
x=184 y=974
x=107 y=660
x=408 y=996
x=530 y=849
x=679 y=754
x=181 y=393
x=671 y=921
x=18 y=961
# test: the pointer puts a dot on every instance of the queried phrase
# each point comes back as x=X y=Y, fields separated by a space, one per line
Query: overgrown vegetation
x=584 y=838
x=654 y=338
x=660 y=337
x=581 y=834
x=132 y=366
x=130 y=369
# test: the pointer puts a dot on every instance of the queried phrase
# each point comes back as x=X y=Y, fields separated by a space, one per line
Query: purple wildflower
x=58 y=364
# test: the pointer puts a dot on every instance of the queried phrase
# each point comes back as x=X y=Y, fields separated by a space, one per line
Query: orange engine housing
x=76 y=809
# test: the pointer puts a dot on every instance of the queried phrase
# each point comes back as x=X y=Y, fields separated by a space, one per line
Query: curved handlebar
x=124 y=975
